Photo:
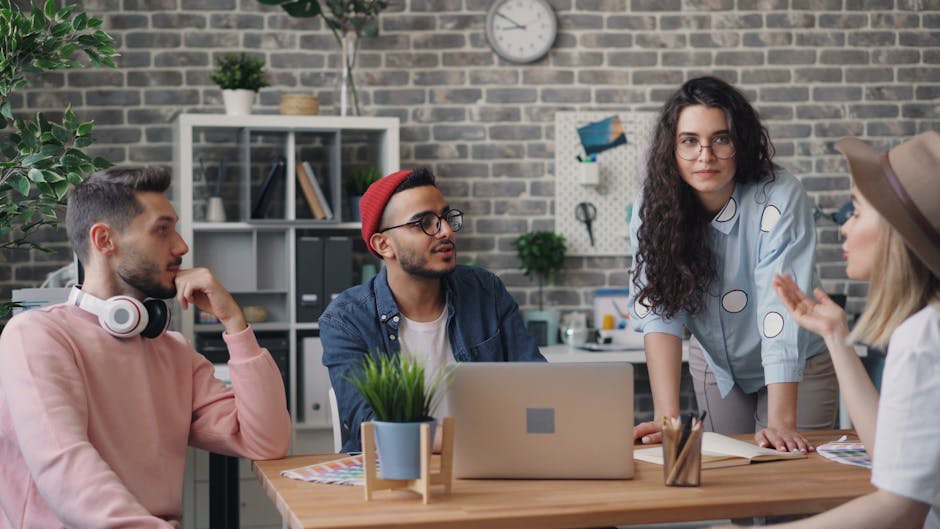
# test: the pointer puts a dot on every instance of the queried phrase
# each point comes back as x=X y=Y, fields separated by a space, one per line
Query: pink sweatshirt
x=94 y=429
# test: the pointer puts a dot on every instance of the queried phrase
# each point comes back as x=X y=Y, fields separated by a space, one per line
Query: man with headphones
x=98 y=402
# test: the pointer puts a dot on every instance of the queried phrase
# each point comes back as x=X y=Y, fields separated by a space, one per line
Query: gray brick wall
x=816 y=70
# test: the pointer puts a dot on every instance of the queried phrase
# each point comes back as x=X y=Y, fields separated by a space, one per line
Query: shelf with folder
x=260 y=167
x=276 y=223
x=262 y=326
x=313 y=409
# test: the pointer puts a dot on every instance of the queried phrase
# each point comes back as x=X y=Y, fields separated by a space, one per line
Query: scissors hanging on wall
x=586 y=212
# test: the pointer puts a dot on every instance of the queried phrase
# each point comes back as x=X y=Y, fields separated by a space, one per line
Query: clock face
x=521 y=30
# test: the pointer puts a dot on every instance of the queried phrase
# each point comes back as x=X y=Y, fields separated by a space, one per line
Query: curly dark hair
x=674 y=237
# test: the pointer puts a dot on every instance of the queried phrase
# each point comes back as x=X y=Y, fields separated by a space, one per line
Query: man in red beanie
x=422 y=303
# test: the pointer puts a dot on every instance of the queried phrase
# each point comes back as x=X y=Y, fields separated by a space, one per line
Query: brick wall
x=815 y=69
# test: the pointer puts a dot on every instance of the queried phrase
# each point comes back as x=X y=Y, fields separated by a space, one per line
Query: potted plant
x=348 y=20
x=542 y=254
x=401 y=401
x=41 y=157
x=356 y=184
x=240 y=77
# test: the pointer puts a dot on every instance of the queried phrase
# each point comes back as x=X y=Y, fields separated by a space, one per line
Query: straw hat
x=904 y=186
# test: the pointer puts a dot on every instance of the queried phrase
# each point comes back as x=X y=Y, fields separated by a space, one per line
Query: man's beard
x=140 y=276
x=416 y=265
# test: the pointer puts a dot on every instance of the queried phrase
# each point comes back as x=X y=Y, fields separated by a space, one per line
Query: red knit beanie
x=373 y=202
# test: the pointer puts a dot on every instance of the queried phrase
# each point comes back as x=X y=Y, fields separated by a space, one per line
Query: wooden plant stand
x=422 y=485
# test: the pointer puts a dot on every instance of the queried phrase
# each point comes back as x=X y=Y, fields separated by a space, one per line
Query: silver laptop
x=531 y=420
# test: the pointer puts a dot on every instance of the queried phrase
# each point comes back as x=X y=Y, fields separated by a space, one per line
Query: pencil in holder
x=682 y=452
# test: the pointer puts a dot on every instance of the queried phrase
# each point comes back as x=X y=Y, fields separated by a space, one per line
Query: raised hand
x=821 y=315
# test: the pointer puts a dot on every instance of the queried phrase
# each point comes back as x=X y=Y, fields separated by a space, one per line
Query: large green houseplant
x=41 y=156
x=401 y=398
x=542 y=254
x=348 y=20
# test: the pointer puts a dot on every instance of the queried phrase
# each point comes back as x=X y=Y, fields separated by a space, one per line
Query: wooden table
x=776 y=488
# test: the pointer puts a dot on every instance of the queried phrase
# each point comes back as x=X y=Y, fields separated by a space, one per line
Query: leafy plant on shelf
x=360 y=179
x=541 y=253
x=396 y=390
x=41 y=157
x=346 y=19
x=242 y=71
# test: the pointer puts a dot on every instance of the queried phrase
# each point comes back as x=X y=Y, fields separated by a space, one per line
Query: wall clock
x=521 y=31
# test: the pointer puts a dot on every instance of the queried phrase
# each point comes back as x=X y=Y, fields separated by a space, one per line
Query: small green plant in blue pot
x=401 y=398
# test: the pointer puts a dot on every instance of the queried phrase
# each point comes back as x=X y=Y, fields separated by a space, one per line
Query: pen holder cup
x=682 y=467
x=590 y=174
x=216 y=210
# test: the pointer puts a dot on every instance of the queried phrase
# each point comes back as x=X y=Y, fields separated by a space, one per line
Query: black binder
x=337 y=267
x=266 y=192
x=310 y=299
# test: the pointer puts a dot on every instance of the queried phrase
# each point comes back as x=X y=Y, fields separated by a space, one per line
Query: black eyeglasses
x=430 y=223
x=690 y=149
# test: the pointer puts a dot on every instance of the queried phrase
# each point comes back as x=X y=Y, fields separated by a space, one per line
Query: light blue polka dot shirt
x=746 y=333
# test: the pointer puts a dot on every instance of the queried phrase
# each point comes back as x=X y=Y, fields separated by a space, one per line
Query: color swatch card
x=845 y=452
x=345 y=471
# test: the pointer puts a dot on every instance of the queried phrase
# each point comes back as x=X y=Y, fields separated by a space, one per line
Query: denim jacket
x=483 y=324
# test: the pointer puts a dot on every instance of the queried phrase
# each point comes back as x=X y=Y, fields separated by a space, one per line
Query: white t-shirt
x=428 y=343
x=907 y=439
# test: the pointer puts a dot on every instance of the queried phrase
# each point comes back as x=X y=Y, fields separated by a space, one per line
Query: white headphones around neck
x=124 y=316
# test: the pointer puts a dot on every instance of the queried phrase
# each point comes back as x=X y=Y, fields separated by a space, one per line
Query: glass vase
x=348 y=94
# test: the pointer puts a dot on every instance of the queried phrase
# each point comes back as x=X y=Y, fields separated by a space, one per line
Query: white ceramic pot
x=216 y=210
x=238 y=102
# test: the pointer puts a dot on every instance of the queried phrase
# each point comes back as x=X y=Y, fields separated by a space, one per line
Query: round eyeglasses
x=430 y=223
x=690 y=149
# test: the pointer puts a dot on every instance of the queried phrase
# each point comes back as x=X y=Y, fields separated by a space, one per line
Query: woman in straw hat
x=893 y=242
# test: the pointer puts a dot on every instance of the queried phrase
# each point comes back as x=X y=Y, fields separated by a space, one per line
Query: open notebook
x=722 y=451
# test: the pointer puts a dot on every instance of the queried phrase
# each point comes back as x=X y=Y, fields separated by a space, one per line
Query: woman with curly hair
x=715 y=221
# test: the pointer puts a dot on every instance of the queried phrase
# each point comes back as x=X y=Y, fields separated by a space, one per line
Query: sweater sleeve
x=49 y=412
x=250 y=419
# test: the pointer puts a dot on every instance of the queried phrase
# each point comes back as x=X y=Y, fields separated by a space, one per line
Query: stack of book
x=313 y=192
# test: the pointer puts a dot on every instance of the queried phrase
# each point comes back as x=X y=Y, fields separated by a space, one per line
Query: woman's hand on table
x=648 y=433
x=783 y=440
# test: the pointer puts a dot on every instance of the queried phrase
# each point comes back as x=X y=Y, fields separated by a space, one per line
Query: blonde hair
x=900 y=285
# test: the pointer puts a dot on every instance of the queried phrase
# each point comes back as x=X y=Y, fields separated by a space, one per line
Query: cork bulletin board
x=619 y=177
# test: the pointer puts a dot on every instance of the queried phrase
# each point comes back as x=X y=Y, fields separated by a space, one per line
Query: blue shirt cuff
x=783 y=372
x=658 y=325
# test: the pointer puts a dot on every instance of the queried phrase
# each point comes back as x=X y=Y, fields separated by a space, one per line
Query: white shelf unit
x=256 y=258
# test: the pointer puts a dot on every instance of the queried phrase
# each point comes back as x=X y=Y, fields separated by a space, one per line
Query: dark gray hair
x=110 y=196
